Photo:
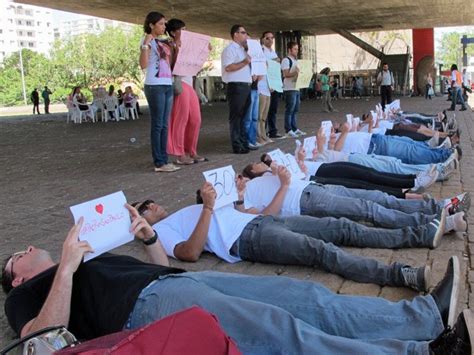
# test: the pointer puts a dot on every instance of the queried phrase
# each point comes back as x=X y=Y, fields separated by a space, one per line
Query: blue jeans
x=160 y=101
x=280 y=315
x=457 y=93
x=407 y=150
x=378 y=208
x=292 y=101
x=251 y=118
x=310 y=241
x=387 y=164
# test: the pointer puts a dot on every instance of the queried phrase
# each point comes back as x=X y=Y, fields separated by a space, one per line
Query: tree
x=449 y=49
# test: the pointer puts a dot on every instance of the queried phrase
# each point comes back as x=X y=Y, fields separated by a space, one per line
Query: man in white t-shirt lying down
x=300 y=240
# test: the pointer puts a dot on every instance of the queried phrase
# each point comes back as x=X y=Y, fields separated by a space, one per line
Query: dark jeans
x=457 y=95
x=359 y=184
x=386 y=95
x=272 y=112
x=292 y=101
x=400 y=132
x=36 y=107
x=160 y=101
x=304 y=240
x=46 y=106
x=238 y=97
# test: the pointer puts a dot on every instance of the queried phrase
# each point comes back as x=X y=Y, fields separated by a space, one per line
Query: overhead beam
x=360 y=43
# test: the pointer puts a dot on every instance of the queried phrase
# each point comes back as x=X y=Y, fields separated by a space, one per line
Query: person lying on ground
x=263 y=314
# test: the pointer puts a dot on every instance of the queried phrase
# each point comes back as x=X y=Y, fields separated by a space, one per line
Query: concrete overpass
x=310 y=16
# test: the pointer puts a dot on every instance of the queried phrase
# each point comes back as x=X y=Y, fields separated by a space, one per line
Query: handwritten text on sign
x=288 y=161
x=327 y=125
x=259 y=61
x=106 y=223
x=193 y=52
x=309 y=144
x=223 y=180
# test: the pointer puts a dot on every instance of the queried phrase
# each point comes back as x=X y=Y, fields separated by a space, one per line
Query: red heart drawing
x=99 y=208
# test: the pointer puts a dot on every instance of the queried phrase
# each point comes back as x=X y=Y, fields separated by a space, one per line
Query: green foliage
x=449 y=49
x=89 y=60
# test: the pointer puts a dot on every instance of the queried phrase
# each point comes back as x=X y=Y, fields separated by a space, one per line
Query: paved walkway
x=48 y=166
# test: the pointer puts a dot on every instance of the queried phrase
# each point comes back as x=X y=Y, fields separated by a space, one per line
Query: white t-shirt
x=332 y=156
x=158 y=70
x=260 y=192
x=179 y=226
x=235 y=53
x=289 y=83
x=313 y=166
x=357 y=142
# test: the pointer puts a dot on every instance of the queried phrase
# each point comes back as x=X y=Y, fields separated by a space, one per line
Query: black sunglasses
x=144 y=206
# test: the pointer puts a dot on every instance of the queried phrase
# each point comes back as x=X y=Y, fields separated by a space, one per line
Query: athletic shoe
x=437 y=227
x=167 y=168
x=252 y=146
x=445 y=294
x=446 y=143
x=300 y=132
x=424 y=180
x=458 y=203
x=456 y=340
x=292 y=134
x=456 y=223
x=417 y=278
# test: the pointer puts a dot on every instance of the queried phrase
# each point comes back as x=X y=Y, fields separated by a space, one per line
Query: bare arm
x=288 y=74
x=145 y=53
x=342 y=138
x=275 y=206
x=191 y=249
x=57 y=307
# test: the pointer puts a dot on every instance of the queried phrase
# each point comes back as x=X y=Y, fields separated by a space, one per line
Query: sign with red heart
x=99 y=208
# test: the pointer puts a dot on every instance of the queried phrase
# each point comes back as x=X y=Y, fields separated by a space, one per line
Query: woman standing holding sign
x=156 y=57
x=186 y=113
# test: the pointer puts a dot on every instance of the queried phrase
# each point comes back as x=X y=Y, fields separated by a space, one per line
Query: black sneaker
x=445 y=294
x=417 y=278
x=456 y=340
x=437 y=226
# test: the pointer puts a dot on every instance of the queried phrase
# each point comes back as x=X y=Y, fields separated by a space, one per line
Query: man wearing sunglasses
x=264 y=315
x=236 y=73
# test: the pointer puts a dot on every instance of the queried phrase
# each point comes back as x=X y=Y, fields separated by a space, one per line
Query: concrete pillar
x=423 y=57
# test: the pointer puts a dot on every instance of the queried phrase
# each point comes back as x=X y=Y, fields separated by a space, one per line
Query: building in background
x=82 y=24
x=24 y=26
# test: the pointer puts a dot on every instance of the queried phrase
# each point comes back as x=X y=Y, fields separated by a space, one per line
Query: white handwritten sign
x=290 y=163
x=193 y=52
x=309 y=144
x=305 y=74
x=223 y=180
x=374 y=117
x=327 y=125
x=355 y=123
x=274 y=76
x=349 y=120
x=106 y=223
x=259 y=61
x=394 y=106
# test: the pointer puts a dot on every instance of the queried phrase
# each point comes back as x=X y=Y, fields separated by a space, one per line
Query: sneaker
x=252 y=146
x=456 y=340
x=463 y=109
x=437 y=227
x=276 y=136
x=167 y=168
x=458 y=203
x=446 y=143
x=445 y=294
x=268 y=140
x=417 y=278
x=292 y=134
x=424 y=180
x=456 y=223
x=300 y=132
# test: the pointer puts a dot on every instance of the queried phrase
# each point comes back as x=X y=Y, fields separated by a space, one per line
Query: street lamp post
x=23 y=77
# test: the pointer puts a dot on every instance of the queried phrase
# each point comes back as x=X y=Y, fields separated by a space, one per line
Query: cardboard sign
x=223 y=180
x=327 y=125
x=193 y=52
x=259 y=61
x=274 y=76
x=284 y=159
x=106 y=223
x=305 y=74
x=309 y=144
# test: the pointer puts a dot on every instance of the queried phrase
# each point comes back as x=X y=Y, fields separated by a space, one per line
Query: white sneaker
x=424 y=180
x=292 y=134
x=456 y=223
x=446 y=143
x=167 y=168
x=300 y=132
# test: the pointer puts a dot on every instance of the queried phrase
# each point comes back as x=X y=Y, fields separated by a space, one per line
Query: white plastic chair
x=131 y=111
x=111 y=105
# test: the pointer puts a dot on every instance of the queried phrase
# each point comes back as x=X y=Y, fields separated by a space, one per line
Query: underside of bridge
x=317 y=17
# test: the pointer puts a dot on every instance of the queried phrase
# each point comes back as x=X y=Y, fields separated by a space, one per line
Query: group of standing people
x=36 y=100
x=168 y=96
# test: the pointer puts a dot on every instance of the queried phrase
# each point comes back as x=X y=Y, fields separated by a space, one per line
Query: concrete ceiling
x=315 y=16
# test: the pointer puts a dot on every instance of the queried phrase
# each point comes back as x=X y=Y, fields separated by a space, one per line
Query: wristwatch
x=239 y=202
x=145 y=46
x=152 y=240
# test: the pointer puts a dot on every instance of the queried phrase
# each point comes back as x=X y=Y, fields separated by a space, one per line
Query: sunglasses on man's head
x=144 y=206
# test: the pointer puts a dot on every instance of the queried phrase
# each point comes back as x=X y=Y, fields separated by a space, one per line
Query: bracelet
x=239 y=202
x=152 y=240
x=145 y=46
x=209 y=208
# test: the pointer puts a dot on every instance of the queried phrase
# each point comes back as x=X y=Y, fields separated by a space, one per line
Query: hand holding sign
x=326 y=126
x=259 y=61
x=309 y=144
x=73 y=249
x=222 y=180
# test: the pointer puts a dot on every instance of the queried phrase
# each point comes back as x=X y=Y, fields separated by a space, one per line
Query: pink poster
x=193 y=52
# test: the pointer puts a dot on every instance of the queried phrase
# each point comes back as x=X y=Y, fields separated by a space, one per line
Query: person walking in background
x=326 y=90
x=386 y=82
x=429 y=87
x=35 y=100
x=45 y=94
x=185 y=120
x=236 y=73
x=156 y=59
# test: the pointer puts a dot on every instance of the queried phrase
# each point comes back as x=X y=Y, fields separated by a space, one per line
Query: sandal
x=185 y=161
x=198 y=159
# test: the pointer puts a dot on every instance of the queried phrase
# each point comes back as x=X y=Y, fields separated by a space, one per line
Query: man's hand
x=74 y=249
x=301 y=154
x=320 y=136
x=208 y=194
x=332 y=138
x=315 y=153
x=241 y=184
x=345 y=127
x=140 y=228
x=247 y=59
x=284 y=175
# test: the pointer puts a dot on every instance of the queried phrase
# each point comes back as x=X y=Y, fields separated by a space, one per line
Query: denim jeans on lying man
x=387 y=164
x=280 y=315
x=378 y=208
x=407 y=150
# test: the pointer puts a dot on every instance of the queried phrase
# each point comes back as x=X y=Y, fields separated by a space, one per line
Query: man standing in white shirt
x=289 y=67
x=386 y=82
x=270 y=54
x=236 y=73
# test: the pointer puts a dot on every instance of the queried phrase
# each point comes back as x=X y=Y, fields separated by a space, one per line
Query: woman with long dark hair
x=156 y=57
